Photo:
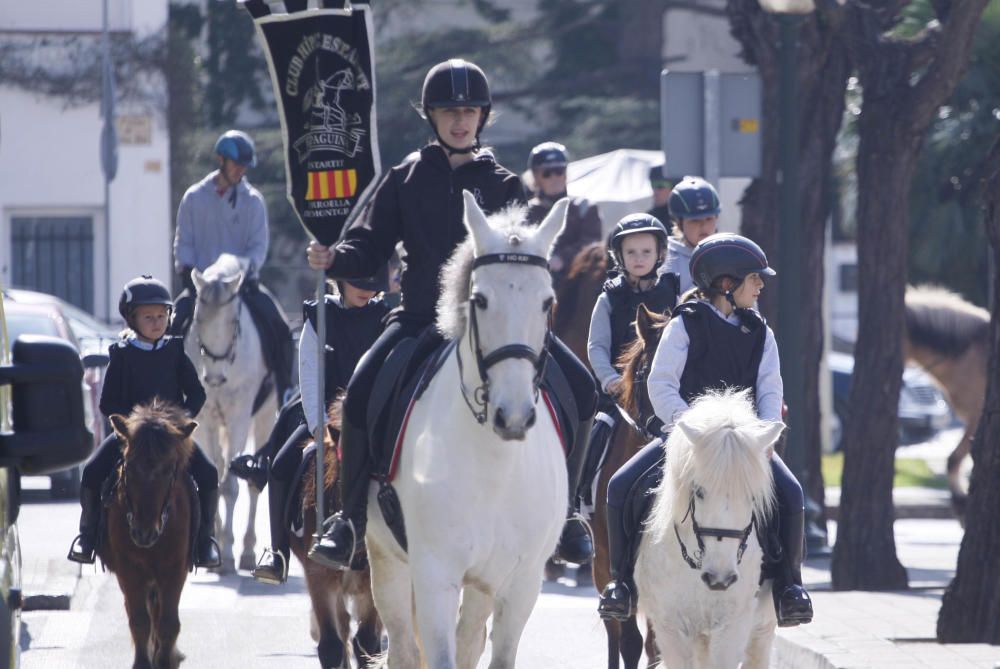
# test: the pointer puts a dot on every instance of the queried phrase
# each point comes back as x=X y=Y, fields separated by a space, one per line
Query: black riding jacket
x=661 y=297
x=720 y=355
x=135 y=376
x=349 y=335
x=419 y=202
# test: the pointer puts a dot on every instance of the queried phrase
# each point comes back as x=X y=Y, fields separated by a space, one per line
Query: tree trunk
x=970 y=611
x=823 y=68
x=904 y=83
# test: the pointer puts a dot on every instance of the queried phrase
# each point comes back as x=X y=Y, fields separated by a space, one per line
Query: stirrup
x=215 y=563
x=321 y=550
x=583 y=552
x=76 y=553
x=264 y=575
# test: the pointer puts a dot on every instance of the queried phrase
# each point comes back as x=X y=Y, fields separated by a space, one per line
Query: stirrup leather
x=263 y=575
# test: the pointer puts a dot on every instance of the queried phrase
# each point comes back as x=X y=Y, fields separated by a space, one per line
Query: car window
x=39 y=324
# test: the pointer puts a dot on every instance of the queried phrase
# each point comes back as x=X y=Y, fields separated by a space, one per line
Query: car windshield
x=37 y=324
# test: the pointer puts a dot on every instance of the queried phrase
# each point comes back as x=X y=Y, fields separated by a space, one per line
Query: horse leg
x=959 y=495
x=631 y=643
x=238 y=429
x=510 y=614
x=653 y=658
x=675 y=650
x=476 y=607
x=167 y=621
x=138 y=619
x=367 y=642
x=229 y=487
x=614 y=632
x=758 y=655
x=262 y=421
x=393 y=594
x=324 y=587
x=727 y=645
x=435 y=597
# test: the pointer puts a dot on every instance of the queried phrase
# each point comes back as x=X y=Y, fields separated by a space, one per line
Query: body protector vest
x=720 y=355
x=349 y=335
x=624 y=301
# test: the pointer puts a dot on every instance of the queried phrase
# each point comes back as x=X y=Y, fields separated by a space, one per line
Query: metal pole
x=789 y=249
x=106 y=57
x=321 y=398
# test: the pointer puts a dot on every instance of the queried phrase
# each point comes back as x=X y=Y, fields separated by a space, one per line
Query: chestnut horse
x=628 y=438
x=149 y=529
x=949 y=338
x=576 y=296
x=335 y=595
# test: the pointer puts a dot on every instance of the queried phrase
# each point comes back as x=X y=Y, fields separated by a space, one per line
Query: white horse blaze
x=230 y=385
x=723 y=450
x=482 y=514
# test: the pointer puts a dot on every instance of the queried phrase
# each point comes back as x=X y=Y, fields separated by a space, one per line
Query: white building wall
x=50 y=155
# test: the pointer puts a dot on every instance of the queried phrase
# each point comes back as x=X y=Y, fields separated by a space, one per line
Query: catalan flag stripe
x=331 y=184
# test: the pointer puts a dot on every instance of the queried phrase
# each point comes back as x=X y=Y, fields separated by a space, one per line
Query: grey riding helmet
x=727 y=254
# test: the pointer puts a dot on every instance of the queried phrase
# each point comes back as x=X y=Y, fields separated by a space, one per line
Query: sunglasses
x=553 y=171
x=664 y=183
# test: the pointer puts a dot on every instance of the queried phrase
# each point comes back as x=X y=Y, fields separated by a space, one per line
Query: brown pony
x=576 y=296
x=331 y=591
x=949 y=338
x=149 y=529
x=625 y=639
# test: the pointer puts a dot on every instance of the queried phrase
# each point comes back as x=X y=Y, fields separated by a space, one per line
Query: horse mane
x=943 y=322
x=629 y=361
x=155 y=431
x=721 y=460
x=331 y=464
x=453 y=302
x=589 y=268
x=226 y=266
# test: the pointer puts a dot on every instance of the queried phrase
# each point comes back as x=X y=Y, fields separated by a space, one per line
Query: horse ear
x=188 y=430
x=232 y=284
x=692 y=433
x=475 y=219
x=119 y=424
x=552 y=226
x=768 y=433
x=198 y=279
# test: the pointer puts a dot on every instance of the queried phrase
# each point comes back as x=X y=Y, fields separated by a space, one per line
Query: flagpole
x=106 y=58
x=321 y=395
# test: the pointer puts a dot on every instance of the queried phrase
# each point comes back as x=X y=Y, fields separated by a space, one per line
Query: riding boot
x=252 y=468
x=273 y=565
x=344 y=531
x=576 y=544
x=792 y=603
x=206 y=553
x=84 y=546
x=616 y=598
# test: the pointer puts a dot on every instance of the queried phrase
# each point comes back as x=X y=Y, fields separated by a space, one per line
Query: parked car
x=41 y=429
x=923 y=410
x=30 y=312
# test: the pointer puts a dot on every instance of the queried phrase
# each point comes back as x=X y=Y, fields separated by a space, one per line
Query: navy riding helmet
x=143 y=290
x=693 y=197
x=727 y=254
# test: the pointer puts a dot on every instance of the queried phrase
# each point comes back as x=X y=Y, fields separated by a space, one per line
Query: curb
x=50 y=586
x=929 y=503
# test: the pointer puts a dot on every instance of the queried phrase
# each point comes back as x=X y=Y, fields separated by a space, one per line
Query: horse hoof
x=247 y=562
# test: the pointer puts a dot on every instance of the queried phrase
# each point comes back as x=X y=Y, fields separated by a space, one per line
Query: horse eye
x=547 y=304
x=479 y=300
x=699 y=492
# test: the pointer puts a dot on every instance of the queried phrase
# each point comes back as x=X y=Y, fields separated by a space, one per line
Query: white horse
x=224 y=346
x=699 y=562
x=481 y=479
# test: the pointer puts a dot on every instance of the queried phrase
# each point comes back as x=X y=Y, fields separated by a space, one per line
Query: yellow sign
x=746 y=125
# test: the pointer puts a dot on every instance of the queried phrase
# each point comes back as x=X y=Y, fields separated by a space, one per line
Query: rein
x=164 y=509
x=480 y=396
x=718 y=533
x=229 y=355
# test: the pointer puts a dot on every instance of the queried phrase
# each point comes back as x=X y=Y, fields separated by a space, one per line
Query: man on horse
x=662 y=188
x=223 y=213
x=547 y=163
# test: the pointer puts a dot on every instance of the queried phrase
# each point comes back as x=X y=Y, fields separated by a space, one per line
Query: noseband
x=164 y=509
x=700 y=532
x=229 y=355
x=481 y=394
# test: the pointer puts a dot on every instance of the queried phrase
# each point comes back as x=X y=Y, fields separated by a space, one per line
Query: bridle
x=164 y=509
x=719 y=534
x=229 y=355
x=480 y=395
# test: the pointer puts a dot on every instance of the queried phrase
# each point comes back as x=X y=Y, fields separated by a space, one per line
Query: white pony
x=699 y=562
x=224 y=346
x=481 y=479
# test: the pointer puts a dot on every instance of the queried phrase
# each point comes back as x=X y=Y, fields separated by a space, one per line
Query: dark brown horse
x=576 y=296
x=149 y=531
x=949 y=338
x=335 y=594
x=625 y=639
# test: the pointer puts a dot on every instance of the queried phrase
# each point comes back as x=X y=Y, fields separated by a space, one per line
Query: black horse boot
x=576 y=544
x=252 y=468
x=344 y=531
x=84 y=546
x=792 y=603
x=273 y=565
x=616 y=598
x=206 y=552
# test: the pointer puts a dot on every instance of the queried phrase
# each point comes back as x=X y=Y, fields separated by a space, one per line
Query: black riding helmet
x=456 y=83
x=693 y=197
x=726 y=254
x=143 y=290
x=378 y=283
x=548 y=154
x=634 y=224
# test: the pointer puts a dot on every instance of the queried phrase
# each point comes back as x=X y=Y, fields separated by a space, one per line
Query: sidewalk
x=879 y=630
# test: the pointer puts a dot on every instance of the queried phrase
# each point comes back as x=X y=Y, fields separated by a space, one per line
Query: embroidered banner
x=322 y=69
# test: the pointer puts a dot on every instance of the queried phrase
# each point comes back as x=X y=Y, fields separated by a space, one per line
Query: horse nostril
x=706 y=578
x=499 y=419
x=531 y=417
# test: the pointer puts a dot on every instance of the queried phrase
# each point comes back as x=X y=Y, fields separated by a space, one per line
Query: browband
x=510 y=259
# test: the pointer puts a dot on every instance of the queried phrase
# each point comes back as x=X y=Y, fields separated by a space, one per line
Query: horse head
x=158 y=446
x=634 y=363
x=217 y=315
x=497 y=290
x=718 y=485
